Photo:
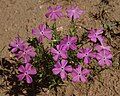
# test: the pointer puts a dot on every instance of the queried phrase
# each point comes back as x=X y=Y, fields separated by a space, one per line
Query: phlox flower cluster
x=24 y=52
x=62 y=66
x=103 y=54
x=55 y=13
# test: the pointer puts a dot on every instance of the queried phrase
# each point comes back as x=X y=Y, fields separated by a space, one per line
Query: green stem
x=54 y=31
x=73 y=28
x=56 y=37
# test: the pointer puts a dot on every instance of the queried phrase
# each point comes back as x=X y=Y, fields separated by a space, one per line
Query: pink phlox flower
x=85 y=54
x=42 y=32
x=80 y=74
x=26 y=54
x=62 y=68
x=103 y=46
x=58 y=53
x=26 y=72
x=74 y=12
x=54 y=13
x=104 y=58
x=69 y=43
x=95 y=34
x=17 y=44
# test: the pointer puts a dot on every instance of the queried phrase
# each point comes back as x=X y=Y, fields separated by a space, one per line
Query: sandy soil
x=20 y=16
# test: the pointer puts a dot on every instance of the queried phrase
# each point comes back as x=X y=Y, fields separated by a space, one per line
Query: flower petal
x=94 y=39
x=101 y=62
x=74 y=73
x=56 y=57
x=76 y=79
x=86 y=60
x=53 y=51
x=58 y=7
x=58 y=65
x=73 y=39
x=109 y=56
x=68 y=68
x=108 y=62
x=63 y=75
x=85 y=71
x=56 y=70
x=32 y=71
x=93 y=55
x=26 y=59
x=98 y=48
x=21 y=69
x=48 y=34
x=36 y=32
x=63 y=54
x=20 y=76
x=100 y=31
x=28 y=66
x=100 y=38
x=80 y=55
x=65 y=47
x=14 y=50
x=73 y=46
x=64 y=63
x=42 y=27
x=40 y=38
x=78 y=69
x=28 y=79
x=83 y=79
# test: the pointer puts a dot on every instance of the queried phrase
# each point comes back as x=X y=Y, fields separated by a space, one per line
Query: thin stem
x=73 y=30
x=56 y=37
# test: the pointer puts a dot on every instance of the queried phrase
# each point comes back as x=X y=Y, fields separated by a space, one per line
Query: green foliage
x=44 y=63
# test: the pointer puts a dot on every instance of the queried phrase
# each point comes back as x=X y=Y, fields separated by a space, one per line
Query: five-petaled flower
x=87 y=54
x=80 y=74
x=69 y=43
x=42 y=32
x=74 y=12
x=104 y=58
x=26 y=54
x=61 y=68
x=58 y=53
x=26 y=72
x=17 y=44
x=103 y=46
x=95 y=34
x=54 y=13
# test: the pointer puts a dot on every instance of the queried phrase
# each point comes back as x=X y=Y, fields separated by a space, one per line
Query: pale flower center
x=62 y=68
x=95 y=34
x=68 y=43
x=26 y=72
x=79 y=74
x=17 y=45
x=73 y=11
x=59 y=52
x=86 y=54
x=42 y=32
x=24 y=52
x=104 y=58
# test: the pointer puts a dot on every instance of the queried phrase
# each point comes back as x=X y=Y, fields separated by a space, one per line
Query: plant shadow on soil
x=15 y=88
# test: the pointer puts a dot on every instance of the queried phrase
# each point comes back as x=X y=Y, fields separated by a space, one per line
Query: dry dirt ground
x=20 y=16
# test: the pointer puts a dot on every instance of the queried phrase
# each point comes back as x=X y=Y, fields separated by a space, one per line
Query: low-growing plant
x=64 y=59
